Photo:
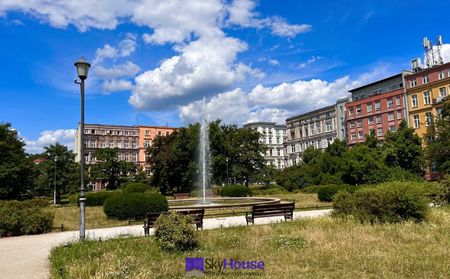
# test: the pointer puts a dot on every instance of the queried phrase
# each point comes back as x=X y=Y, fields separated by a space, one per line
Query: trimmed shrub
x=175 y=232
x=95 y=198
x=27 y=217
x=134 y=205
x=135 y=188
x=325 y=193
x=235 y=190
x=390 y=202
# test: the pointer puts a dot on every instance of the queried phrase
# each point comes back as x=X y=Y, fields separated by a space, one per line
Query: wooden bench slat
x=281 y=209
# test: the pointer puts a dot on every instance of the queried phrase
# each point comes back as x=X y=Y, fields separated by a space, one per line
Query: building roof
x=376 y=82
x=259 y=123
x=311 y=112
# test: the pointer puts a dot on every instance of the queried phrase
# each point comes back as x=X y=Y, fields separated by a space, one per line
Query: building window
x=358 y=110
x=392 y=128
x=278 y=152
x=442 y=92
x=414 y=101
x=102 y=144
x=167 y=133
x=111 y=144
x=413 y=82
x=147 y=132
x=133 y=144
x=360 y=135
x=353 y=136
x=399 y=115
x=390 y=103
x=441 y=74
x=147 y=143
x=425 y=79
x=371 y=120
x=341 y=109
x=329 y=126
x=380 y=132
x=126 y=157
x=428 y=118
x=360 y=123
x=426 y=97
x=377 y=105
x=352 y=124
x=369 y=107
x=293 y=148
x=416 y=121
x=134 y=157
x=86 y=131
x=398 y=101
x=350 y=112
x=379 y=119
x=126 y=144
x=391 y=116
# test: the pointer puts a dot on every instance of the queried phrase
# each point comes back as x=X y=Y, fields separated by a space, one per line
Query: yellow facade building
x=425 y=92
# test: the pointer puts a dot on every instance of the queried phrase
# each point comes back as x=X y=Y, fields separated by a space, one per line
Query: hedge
x=235 y=190
x=95 y=198
x=135 y=188
x=390 y=202
x=25 y=217
x=325 y=193
x=134 y=205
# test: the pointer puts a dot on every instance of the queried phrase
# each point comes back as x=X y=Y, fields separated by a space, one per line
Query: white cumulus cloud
x=46 y=138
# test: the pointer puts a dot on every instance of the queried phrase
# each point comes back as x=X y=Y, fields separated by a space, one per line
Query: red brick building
x=377 y=107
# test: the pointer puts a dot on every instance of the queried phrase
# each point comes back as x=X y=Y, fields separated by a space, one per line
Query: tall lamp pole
x=228 y=179
x=54 y=186
x=82 y=71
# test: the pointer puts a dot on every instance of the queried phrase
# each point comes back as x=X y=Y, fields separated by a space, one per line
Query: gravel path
x=27 y=256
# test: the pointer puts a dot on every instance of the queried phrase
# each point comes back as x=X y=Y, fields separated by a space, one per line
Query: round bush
x=136 y=188
x=326 y=193
x=134 y=205
x=235 y=190
x=390 y=202
x=175 y=232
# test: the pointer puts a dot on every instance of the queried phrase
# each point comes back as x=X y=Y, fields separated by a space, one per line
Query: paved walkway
x=27 y=256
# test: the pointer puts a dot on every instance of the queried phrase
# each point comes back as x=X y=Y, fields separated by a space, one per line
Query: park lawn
x=68 y=215
x=69 y=218
x=314 y=248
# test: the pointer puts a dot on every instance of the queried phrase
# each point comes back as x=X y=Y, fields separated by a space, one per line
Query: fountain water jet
x=204 y=151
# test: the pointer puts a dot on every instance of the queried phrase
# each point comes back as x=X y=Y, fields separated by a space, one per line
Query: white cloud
x=46 y=138
x=273 y=62
x=125 y=48
x=202 y=68
x=127 y=69
x=310 y=61
x=263 y=103
x=117 y=85
x=241 y=14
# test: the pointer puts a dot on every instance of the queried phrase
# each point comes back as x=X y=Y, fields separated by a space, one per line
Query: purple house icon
x=195 y=264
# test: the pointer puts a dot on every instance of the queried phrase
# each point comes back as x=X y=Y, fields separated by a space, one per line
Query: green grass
x=314 y=248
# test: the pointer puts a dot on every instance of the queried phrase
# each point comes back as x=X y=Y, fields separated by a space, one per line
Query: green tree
x=109 y=168
x=403 y=148
x=16 y=171
x=58 y=167
x=438 y=150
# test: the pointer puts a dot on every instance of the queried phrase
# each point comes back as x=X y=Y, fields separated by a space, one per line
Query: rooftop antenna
x=432 y=53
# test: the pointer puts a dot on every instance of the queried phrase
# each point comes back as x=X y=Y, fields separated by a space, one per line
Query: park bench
x=196 y=214
x=181 y=196
x=270 y=210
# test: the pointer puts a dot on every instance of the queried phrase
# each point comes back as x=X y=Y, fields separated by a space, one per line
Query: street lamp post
x=82 y=71
x=54 y=186
x=228 y=179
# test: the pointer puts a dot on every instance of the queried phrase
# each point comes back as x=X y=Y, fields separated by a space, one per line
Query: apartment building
x=146 y=136
x=316 y=128
x=97 y=136
x=341 y=117
x=377 y=108
x=426 y=90
x=273 y=136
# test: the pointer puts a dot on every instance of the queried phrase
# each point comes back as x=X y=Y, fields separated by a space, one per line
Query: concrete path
x=27 y=256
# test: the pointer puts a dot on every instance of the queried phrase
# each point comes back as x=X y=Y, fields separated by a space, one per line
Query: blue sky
x=155 y=60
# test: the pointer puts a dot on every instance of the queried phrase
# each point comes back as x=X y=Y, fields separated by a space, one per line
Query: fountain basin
x=220 y=202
